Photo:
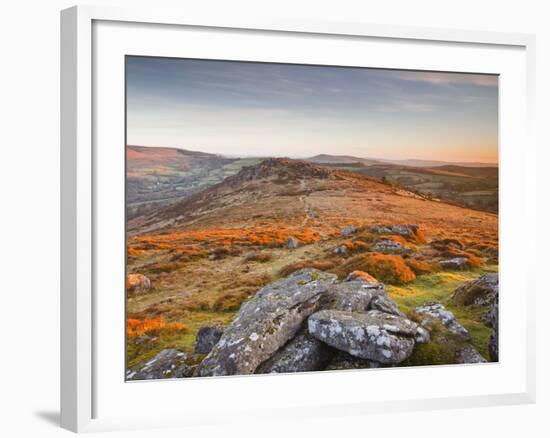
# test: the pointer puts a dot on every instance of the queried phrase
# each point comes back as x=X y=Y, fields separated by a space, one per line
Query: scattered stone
x=390 y=247
x=346 y=231
x=480 y=292
x=137 y=283
x=405 y=230
x=292 y=243
x=302 y=353
x=169 y=363
x=345 y=361
x=385 y=304
x=456 y=264
x=207 y=337
x=447 y=318
x=266 y=322
x=469 y=354
x=373 y=335
x=341 y=250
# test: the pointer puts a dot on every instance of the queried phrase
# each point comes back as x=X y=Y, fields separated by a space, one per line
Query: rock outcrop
x=266 y=322
x=352 y=296
x=310 y=321
x=169 y=363
x=373 y=335
x=480 y=292
x=446 y=317
x=303 y=353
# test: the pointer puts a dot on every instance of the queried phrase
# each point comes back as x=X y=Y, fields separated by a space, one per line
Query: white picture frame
x=80 y=170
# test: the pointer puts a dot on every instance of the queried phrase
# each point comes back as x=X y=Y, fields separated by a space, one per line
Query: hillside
x=475 y=187
x=158 y=176
x=297 y=192
x=205 y=255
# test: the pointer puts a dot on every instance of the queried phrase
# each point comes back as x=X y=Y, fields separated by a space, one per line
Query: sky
x=262 y=109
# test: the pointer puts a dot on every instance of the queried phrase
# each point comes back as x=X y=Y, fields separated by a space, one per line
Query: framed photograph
x=257 y=208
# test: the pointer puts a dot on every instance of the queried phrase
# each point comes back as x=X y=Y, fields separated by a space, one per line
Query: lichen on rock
x=266 y=322
x=372 y=335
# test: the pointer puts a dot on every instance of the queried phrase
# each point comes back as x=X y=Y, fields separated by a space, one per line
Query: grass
x=439 y=287
x=139 y=352
x=260 y=257
x=322 y=265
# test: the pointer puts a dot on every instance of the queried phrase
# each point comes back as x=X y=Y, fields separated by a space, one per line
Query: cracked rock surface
x=266 y=322
x=373 y=335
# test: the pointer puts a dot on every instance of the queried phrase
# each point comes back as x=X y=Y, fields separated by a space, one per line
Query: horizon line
x=297 y=157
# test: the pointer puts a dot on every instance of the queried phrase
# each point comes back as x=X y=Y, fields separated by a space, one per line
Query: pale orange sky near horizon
x=258 y=109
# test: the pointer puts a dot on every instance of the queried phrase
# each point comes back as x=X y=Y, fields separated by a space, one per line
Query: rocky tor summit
x=311 y=321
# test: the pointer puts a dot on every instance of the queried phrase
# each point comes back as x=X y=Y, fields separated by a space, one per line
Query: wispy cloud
x=439 y=78
x=252 y=108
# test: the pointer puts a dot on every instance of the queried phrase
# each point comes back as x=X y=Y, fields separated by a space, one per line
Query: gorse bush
x=260 y=257
x=137 y=327
x=421 y=267
x=389 y=269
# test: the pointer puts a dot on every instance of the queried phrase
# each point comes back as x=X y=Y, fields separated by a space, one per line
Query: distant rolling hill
x=158 y=176
x=475 y=187
x=331 y=159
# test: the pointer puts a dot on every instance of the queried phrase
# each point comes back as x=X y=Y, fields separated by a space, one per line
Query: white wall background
x=29 y=215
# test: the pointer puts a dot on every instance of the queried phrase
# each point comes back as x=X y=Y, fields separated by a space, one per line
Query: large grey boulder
x=302 y=353
x=352 y=296
x=266 y=322
x=374 y=335
x=345 y=361
x=446 y=317
x=479 y=292
x=207 y=337
x=169 y=363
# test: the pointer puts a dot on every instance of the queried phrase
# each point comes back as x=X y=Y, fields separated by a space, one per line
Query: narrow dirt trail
x=308 y=210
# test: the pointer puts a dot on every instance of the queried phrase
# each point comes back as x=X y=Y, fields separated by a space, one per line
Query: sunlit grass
x=439 y=287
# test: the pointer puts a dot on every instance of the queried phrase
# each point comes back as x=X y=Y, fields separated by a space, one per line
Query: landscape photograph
x=285 y=218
